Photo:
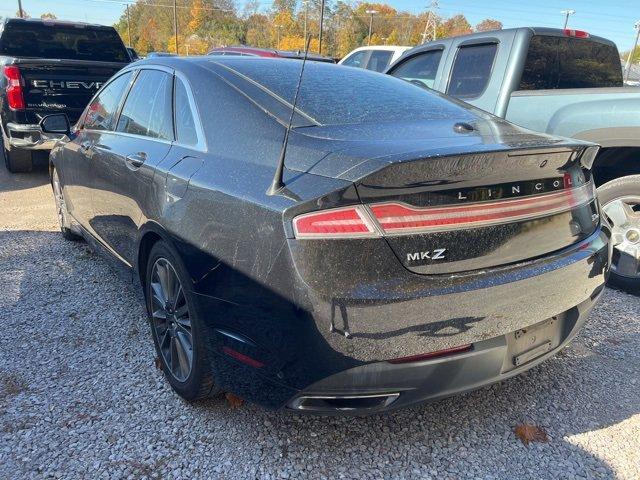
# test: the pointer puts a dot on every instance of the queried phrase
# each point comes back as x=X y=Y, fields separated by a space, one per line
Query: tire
x=61 y=208
x=620 y=203
x=170 y=333
x=18 y=161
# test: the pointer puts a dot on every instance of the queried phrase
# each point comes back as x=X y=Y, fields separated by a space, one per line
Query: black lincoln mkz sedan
x=418 y=247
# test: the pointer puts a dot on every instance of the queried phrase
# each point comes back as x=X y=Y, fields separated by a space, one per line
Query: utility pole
x=128 y=24
x=20 y=11
x=432 y=22
x=372 y=13
x=567 y=14
x=175 y=23
x=305 y=3
x=627 y=69
x=321 y=23
x=278 y=27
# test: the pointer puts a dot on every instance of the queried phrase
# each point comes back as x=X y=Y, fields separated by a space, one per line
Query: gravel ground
x=80 y=396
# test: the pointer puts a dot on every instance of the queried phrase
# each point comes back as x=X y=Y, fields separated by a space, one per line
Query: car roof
x=391 y=48
x=270 y=52
x=56 y=22
x=508 y=33
x=270 y=83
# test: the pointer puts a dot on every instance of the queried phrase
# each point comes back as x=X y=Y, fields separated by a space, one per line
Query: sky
x=613 y=19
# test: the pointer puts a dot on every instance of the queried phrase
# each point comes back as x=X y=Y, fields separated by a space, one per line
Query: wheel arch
x=614 y=162
x=150 y=234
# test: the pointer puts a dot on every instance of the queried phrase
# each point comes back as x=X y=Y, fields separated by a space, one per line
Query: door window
x=421 y=69
x=101 y=112
x=356 y=59
x=185 y=122
x=147 y=110
x=472 y=70
x=379 y=60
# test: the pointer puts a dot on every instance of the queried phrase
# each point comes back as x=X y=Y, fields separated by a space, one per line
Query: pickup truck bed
x=561 y=82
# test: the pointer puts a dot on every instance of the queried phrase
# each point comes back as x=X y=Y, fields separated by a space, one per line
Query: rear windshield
x=334 y=95
x=566 y=62
x=25 y=39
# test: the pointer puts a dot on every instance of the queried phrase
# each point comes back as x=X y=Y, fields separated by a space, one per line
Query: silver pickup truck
x=561 y=82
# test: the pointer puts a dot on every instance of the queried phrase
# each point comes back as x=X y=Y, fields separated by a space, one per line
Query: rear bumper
x=29 y=137
x=383 y=386
x=311 y=344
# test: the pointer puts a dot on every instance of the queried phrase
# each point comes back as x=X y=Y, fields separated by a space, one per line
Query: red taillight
x=15 y=97
x=335 y=223
x=396 y=218
x=576 y=33
x=430 y=355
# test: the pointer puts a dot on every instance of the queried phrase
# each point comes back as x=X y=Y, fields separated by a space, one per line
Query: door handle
x=135 y=160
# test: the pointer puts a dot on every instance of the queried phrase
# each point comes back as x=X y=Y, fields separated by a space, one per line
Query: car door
x=76 y=170
x=126 y=158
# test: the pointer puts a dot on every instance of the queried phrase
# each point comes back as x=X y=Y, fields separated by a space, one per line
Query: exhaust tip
x=343 y=403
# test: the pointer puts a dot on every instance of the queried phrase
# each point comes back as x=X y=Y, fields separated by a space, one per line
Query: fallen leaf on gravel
x=528 y=432
x=158 y=363
x=233 y=400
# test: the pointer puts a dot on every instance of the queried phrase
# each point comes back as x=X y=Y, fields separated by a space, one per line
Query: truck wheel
x=18 y=161
x=620 y=200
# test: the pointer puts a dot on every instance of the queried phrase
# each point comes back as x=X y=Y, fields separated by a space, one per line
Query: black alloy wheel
x=179 y=337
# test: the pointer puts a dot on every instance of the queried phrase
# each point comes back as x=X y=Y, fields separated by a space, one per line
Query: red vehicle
x=268 y=52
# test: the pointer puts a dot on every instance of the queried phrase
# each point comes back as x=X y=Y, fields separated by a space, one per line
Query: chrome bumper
x=29 y=137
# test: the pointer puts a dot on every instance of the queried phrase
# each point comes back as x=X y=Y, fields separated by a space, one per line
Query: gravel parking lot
x=80 y=395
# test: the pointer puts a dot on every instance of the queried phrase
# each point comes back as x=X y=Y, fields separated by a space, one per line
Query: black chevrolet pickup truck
x=49 y=67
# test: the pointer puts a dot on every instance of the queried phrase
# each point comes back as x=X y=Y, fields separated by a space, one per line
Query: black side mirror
x=56 y=123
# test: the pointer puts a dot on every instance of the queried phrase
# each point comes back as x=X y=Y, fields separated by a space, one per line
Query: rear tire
x=18 y=161
x=177 y=332
x=620 y=201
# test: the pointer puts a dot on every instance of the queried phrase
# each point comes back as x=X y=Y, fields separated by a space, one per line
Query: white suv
x=377 y=57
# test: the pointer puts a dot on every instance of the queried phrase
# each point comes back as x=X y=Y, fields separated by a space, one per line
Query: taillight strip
x=395 y=218
x=347 y=222
x=399 y=218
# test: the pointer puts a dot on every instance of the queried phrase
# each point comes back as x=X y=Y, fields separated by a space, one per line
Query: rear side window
x=101 y=112
x=379 y=60
x=356 y=59
x=56 y=40
x=472 y=70
x=147 y=110
x=420 y=69
x=567 y=62
x=185 y=122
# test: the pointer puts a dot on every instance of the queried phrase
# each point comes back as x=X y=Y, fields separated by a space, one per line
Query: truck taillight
x=576 y=33
x=348 y=222
x=15 y=96
x=395 y=218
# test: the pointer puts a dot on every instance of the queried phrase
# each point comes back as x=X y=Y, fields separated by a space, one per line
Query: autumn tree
x=488 y=24
x=456 y=26
x=48 y=16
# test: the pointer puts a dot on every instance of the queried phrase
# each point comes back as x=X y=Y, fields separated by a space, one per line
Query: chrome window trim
x=201 y=144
